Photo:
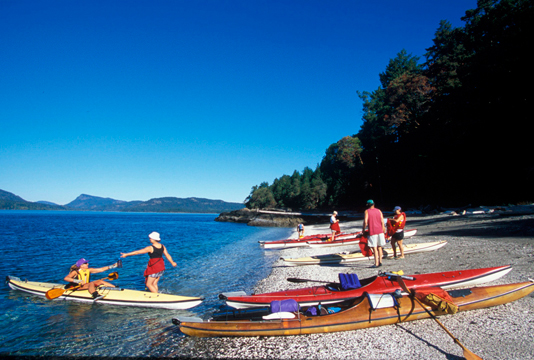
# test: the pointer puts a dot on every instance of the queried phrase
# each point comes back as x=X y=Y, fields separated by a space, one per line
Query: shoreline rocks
x=270 y=218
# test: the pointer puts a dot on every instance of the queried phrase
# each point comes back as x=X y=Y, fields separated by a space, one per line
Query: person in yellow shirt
x=80 y=274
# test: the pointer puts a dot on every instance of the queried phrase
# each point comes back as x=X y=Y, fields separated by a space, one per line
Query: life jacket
x=84 y=275
x=335 y=227
x=399 y=225
x=364 y=246
x=393 y=226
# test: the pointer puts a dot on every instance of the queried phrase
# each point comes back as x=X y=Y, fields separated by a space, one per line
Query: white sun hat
x=154 y=236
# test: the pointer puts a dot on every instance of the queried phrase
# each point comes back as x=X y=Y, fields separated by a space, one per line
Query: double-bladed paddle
x=297 y=280
x=467 y=353
x=57 y=292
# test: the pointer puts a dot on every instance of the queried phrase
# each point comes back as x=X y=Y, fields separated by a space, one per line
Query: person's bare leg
x=150 y=284
x=380 y=255
x=375 y=254
x=401 y=249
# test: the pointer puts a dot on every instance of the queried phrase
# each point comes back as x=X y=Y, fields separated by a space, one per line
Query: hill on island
x=194 y=205
x=84 y=202
x=95 y=203
x=165 y=204
x=10 y=201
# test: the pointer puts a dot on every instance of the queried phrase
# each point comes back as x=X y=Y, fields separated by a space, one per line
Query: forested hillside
x=450 y=130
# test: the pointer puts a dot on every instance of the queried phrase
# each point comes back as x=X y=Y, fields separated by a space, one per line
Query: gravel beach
x=474 y=241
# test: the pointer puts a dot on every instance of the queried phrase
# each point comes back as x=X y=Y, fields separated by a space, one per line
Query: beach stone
x=474 y=241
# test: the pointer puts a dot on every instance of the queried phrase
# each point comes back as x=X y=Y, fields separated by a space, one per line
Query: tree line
x=449 y=130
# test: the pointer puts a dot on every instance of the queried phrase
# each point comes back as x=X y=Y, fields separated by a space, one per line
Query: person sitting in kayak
x=334 y=226
x=300 y=230
x=156 y=265
x=80 y=274
x=396 y=230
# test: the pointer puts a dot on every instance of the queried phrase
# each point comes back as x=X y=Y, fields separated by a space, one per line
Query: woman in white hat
x=156 y=265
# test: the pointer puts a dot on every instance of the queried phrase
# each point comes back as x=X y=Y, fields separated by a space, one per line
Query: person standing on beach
x=374 y=219
x=300 y=230
x=334 y=226
x=156 y=265
x=396 y=227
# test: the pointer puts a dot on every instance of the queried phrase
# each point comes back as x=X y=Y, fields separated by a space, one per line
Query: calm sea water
x=212 y=257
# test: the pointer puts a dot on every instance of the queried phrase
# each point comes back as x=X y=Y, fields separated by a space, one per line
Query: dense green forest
x=451 y=130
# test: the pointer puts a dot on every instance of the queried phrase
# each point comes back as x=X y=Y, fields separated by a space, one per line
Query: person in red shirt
x=397 y=228
x=374 y=219
x=156 y=265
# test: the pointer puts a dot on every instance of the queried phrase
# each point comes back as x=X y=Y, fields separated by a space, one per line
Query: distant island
x=10 y=201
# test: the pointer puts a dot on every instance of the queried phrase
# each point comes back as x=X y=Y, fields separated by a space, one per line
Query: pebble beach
x=473 y=241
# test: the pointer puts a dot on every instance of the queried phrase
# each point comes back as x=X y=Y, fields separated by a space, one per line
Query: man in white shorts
x=375 y=220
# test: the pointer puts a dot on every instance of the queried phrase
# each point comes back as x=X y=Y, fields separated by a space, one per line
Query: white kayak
x=112 y=296
x=301 y=242
x=343 y=258
x=354 y=240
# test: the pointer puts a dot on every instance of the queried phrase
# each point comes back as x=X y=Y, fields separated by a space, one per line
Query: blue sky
x=135 y=100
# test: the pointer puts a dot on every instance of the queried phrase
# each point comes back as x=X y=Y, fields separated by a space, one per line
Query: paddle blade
x=470 y=356
x=295 y=280
x=54 y=293
x=113 y=276
x=402 y=284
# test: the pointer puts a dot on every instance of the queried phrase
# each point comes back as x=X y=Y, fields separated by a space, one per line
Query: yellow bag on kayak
x=441 y=304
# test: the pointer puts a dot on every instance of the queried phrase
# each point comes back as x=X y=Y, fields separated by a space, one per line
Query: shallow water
x=212 y=258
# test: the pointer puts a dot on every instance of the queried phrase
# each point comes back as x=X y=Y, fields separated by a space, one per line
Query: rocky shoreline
x=474 y=241
x=271 y=218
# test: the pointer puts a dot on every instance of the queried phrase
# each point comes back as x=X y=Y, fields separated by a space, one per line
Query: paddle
x=57 y=292
x=467 y=353
x=296 y=280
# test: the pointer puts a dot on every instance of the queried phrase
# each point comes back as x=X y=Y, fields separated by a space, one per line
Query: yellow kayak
x=112 y=296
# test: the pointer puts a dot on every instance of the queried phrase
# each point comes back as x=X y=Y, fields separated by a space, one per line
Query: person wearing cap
x=396 y=226
x=374 y=220
x=334 y=226
x=156 y=265
x=80 y=274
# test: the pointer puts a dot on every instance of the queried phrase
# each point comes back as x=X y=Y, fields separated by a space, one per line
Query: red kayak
x=348 y=287
x=345 y=240
x=289 y=243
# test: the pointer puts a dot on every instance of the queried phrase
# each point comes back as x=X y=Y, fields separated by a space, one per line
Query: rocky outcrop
x=257 y=218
